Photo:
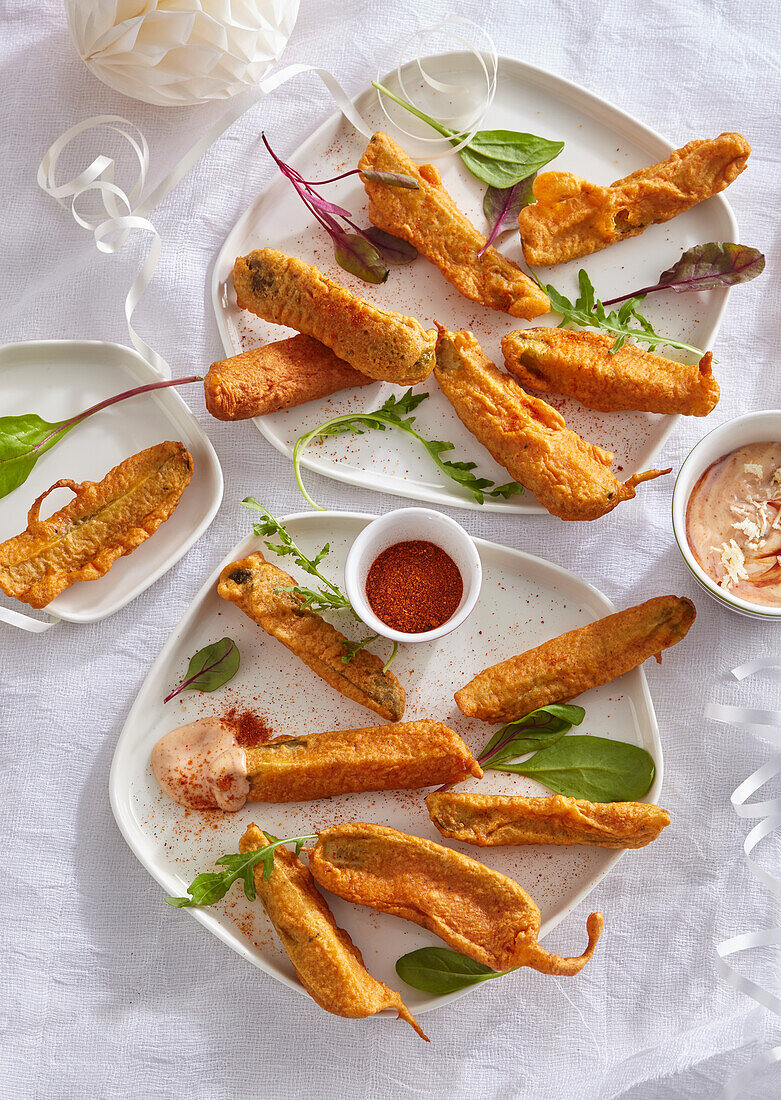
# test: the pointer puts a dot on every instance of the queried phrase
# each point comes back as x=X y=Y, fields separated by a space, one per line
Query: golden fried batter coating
x=276 y=376
x=580 y=364
x=488 y=820
x=252 y=585
x=374 y=341
x=106 y=520
x=475 y=910
x=573 y=218
x=568 y=476
x=572 y=663
x=430 y=220
x=400 y=756
x=328 y=964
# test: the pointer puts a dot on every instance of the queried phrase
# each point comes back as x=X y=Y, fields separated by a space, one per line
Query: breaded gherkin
x=374 y=341
x=488 y=820
x=568 y=476
x=566 y=666
x=581 y=365
x=328 y=964
x=256 y=587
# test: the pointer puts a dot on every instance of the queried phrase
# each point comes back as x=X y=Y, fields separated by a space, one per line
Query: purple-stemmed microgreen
x=502 y=205
x=24 y=438
x=209 y=668
x=710 y=266
x=365 y=253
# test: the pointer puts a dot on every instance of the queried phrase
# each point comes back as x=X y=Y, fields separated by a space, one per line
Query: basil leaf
x=393 y=250
x=594 y=768
x=439 y=970
x=359 y=257
x=210 y=668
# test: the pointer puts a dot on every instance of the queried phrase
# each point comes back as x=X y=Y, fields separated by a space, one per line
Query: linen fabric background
x=106 y=991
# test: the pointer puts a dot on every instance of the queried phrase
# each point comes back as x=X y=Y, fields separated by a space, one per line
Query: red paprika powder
x=414 y=586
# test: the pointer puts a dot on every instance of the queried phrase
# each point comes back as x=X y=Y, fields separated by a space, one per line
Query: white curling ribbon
x=765 y=722
x=764 y=828
x=761 y=664
x=488 y=64
x=756 y=780
x=746 y=941
x=744 y=1077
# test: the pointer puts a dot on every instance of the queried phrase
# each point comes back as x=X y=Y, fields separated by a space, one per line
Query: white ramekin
x=404 y=525
x=757 y=427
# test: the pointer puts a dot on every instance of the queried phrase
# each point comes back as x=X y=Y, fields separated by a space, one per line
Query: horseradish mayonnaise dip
x=733 y=523
x=201 y=766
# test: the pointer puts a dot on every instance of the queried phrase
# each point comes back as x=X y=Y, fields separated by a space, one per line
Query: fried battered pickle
x=328 y=964
x=488 y=820
x=475 y=910
x=400 y=756
x=573 y=218
x=374 y=341
x=568 y=476
x=254 y=586
x=106 y=520
x=580 y=364
x=430 y=220
x=276 y=376
x=564 y=667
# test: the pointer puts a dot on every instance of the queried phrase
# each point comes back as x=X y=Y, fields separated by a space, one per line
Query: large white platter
x=524 y=601
x=59 y=378
x=602 y=144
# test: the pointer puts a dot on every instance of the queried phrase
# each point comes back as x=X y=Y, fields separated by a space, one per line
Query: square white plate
x=602 y=144
x=524 y=601
x=59 y=378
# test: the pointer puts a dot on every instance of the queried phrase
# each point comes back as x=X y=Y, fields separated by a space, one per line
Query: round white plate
x=602 y=144
x=59 y=378
x=524 y=601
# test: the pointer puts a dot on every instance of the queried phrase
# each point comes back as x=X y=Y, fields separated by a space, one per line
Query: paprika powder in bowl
x=413 y=575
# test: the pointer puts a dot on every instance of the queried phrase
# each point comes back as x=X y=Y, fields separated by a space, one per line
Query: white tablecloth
x=106 y=992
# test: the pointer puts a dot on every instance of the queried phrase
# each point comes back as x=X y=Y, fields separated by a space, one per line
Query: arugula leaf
x=394 y=413
x=439 y=970
x=589 y=312
x=594 y=768
x=500 y=158
x=708 y=266
x=24 y=438
x=502 y=205
x=210 y=668
x=211 y=886
x=543 y=727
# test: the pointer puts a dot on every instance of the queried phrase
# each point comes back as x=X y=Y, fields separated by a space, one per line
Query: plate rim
x=231 y=937
x=434 y=493
x=131 y=361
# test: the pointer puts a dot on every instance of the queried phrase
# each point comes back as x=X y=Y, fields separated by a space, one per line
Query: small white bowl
x=757 y=427
x=406 y=525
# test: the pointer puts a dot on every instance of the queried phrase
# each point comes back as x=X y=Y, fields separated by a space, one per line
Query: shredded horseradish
x=734 y=561
x=753 y=468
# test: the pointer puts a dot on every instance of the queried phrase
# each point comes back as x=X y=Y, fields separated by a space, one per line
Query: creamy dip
x=201 y=766
x=733 y=523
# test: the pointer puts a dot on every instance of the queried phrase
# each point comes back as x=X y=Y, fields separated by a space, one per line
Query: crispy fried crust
x=106 y=520
x=488 y=820
x=276 y=376
x=568 y=476
x=430 y=220
x=374 y=341
x=564 y=667
x=328 y=964
x=252 y=585
x=475 y=910
x=580 y=364
x=400 y=756
x=572 y=217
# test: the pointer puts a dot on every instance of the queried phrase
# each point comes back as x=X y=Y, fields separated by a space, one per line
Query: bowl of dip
x=727 y=514
x=413 y=575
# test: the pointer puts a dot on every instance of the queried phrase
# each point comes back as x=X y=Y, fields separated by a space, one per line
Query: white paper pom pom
x=180 y=51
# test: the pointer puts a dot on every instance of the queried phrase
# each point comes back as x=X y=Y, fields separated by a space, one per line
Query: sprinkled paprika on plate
x=414 y=586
